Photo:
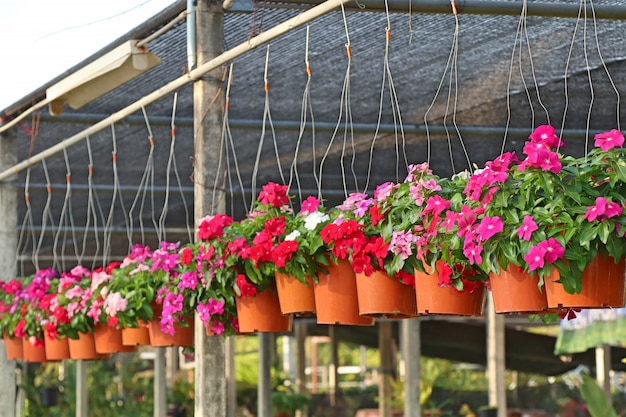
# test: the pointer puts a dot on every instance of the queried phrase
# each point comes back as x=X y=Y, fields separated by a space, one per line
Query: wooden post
x=264 y=388
x=495 y=358
x=231 y=384
x=385 y=342
x=209 y=194
x=8 y=254
x=411 y=352
x=603 y=370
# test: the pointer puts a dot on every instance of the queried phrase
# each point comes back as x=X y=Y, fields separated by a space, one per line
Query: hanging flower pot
x=261 y=313
x=516 y=291
x=336 y=297
x=84 y=348
x=14 y=347
x=57 y=349
x=109 y=340
x=136 y=336
x=295 y=296
x=183 y=335
x=433 y=299
x=602 y=286
x=382 y=296
x=33 y=353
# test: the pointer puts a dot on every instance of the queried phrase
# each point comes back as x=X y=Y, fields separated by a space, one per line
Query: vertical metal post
x=81 y=389
x=385 y=342
x=496 y=358
x=264 y=389
x=231 y=384
x=411 y=352
x=300 y=329
x=8 y=254
x=209 y=178
x=333 y=377
x=160 y=387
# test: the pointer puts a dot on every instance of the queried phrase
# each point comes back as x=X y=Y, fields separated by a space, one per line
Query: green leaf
x=594 y=397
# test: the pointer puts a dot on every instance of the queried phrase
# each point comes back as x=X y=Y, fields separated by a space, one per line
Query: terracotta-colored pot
x=136 y=336
x=84 y=348
x=516 y=291
x=14 y=347
x=109 y=340
x=602 y=286
x=262 y=313
x=183 y=335
x=433 y=299
x=336 y=297
x=57 y=349
x=33 y=353
x=295 y=296
x=382 y=296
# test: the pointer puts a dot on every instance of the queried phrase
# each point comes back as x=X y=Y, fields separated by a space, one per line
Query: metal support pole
x=385 y=341
x=300 y=330
x=495 y=358
x=264 y=389
x=8 y=254
x=231 y=383
x=82 y=399
x=160 y=387
x=209 y=172
x=333 y=374
x=603 y=370
x=411 y=352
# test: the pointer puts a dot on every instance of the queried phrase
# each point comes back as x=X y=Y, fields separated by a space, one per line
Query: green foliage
x=595 y=399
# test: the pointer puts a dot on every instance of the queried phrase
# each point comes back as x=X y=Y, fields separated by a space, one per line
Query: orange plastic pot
x=382 y=296
x=433 y=299
x=336 y=297
x=262 y=313
x=109 y=340
x=183 y=335
x=516 y=291
x=14 y=347
x=84 y=348
x=57 y=349
x=136 y=336
x=33 y=353
x=602 y=286
x=295 y=297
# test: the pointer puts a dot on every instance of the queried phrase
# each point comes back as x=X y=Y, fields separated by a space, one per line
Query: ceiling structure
x=452 y=100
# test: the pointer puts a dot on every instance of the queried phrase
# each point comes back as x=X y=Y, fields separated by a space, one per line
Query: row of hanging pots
x=100 y=343
x=342 y=297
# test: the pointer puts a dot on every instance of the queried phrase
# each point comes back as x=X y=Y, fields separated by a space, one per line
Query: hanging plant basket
x=262 y=313
x=602 y=286
x=57 y=349
x=33 y=353
x=84 y=348
x=382 y=296
x=183 y=335
x=14 y=347
x=433 y=299
x=295 y=296
x=516 y=291
x=109 y=340
x=136 y=336
x=336 y=297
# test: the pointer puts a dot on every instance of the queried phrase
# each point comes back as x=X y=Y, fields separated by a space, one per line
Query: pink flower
x=383 y=191
x=527 y=228
x=309 y=205
x=274 y=195
x=435 y=205
x=553 y=250
x=401 y=244
x=472 y=252
x=550 y=162
x=489 y=226
x=608 y=140
x=216 y=306
x=535 y=257
x=546 y=134
x=115 y=303
x=602 y=210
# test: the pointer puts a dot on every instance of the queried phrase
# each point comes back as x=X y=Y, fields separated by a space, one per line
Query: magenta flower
x=215 y=306
x=598 y=210
x=472 y=252
x=217 y=327
x=546 y=134
x=436 y=205
x=188 y=279
x=489 y=226
x=553 y=250
x=551 y=162
x=608 y=140
x=309 y=205
x=383 y=191
x=527 y=228
x=362 y=206
x=535 y=257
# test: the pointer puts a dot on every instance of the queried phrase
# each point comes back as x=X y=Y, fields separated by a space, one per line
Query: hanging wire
x=267 y=121
x=146 y=184
x=66 y=219
x=46 y=215
x=228 y=138
x=387 y=80
x=344 y=106
x=306 y=111
x=27 y=225
x=451 y=65
x=92 y=213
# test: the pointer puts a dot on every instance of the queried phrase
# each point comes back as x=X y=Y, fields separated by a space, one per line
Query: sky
x=40 y=39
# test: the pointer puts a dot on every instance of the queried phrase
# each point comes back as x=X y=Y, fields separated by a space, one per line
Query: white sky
x=40 y=39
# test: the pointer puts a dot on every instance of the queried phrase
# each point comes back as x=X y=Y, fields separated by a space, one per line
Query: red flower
x=246 y=289
x=274 y=195
x=112 y=321
x=186 y=256
x=19 y=329
x=405 y=278
x=283 y=252
x=51 y=330
x=110 y=267
x=375 y=214
x=275 y=226
x=212 y=227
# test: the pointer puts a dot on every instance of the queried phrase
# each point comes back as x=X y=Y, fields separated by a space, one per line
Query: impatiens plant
x=10 y=292
x=72 y=305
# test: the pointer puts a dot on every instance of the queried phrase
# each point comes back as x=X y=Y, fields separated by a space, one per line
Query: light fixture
x=106 y=73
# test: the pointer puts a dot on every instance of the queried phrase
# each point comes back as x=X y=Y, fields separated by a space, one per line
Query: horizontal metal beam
x=483 y=7
x=294 y=126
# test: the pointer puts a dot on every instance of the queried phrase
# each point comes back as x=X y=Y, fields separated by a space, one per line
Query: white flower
x=293 y=235
x=312 y=220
